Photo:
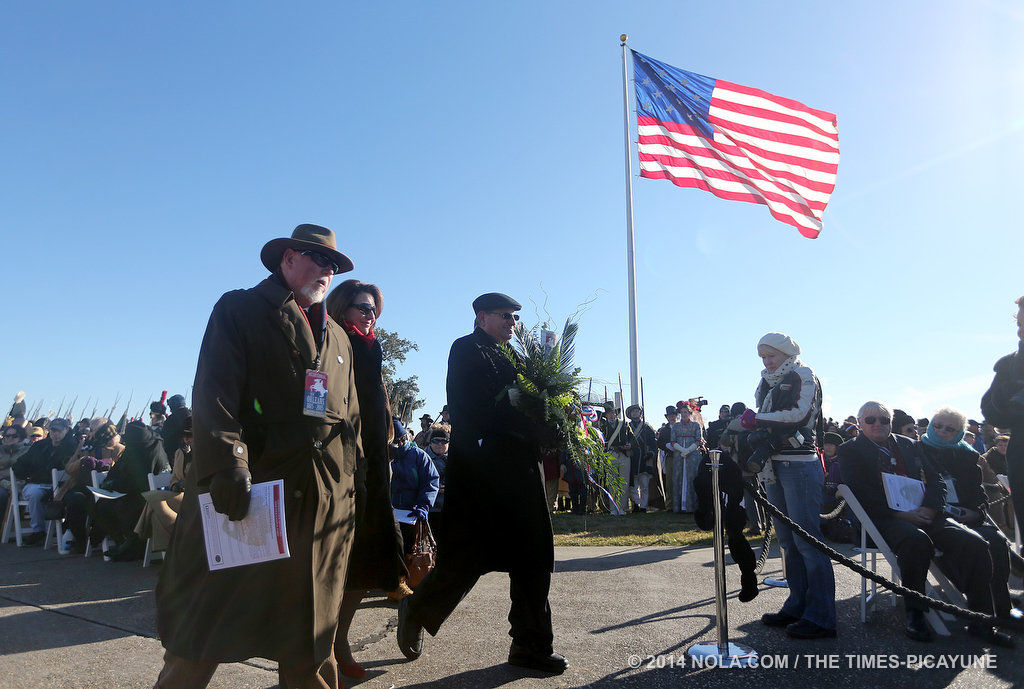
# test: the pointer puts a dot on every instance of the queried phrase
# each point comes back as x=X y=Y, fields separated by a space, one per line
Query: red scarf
x=368 y=338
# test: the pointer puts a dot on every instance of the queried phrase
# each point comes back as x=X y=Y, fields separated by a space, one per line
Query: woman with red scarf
x=376 y=561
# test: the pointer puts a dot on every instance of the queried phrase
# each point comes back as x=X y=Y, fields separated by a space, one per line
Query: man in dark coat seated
x=495 y=510
x=916 y=534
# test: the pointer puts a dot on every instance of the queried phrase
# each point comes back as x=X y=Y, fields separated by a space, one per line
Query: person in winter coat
x=956 y=461
x=1003 y=406
x=376 y=560
x=116 y=519
x=274 y=398
x=414 y=480
x=34 y=467
x=496 y=518
x=788 y=398
x=12 y=447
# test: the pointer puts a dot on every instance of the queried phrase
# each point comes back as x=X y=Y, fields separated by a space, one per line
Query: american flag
x=737 y=142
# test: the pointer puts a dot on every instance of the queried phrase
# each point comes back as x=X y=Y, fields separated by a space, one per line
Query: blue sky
x=457 y=148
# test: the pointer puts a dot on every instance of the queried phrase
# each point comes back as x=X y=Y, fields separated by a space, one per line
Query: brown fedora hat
x=305 y=236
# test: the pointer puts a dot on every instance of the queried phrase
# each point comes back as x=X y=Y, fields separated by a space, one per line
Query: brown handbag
x=423 y=556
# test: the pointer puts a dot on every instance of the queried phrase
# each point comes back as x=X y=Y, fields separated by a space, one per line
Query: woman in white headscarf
x=788 y=398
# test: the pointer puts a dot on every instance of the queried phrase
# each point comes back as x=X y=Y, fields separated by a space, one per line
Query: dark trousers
x=999 y=550
x=965 y=558
x=447 y=584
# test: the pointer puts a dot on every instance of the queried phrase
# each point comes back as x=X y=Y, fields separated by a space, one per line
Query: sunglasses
x=942 y=428
x=12 y=435
x=506 y=315
x=438 y=441
x=365 y=309
x=321 y=260
x=880 y=420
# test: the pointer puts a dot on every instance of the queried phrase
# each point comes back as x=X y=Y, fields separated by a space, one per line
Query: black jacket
x=1003 y=406
x=961 y=465
x=36 y=464
x=172 y=430
x=143 y=454
x=861 y=465
x=496 y=516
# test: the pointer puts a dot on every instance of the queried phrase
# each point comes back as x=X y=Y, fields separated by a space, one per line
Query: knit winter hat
x=833 y=438
x=783 y=343
x=900 y=419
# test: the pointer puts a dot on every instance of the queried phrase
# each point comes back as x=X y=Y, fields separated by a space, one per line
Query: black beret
x=492 y=301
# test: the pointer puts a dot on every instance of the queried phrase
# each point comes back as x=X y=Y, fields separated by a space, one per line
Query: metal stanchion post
x=721 y=653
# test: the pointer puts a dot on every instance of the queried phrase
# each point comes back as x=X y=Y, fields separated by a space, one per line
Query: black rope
x=766 y=546
x=878 y=578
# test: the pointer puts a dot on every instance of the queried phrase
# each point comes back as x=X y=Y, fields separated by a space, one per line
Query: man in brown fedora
x=258 y=417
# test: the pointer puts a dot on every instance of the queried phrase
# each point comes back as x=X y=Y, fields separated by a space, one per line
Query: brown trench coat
x=248 y=412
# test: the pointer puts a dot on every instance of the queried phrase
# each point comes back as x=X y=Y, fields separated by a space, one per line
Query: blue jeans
x=812 y=585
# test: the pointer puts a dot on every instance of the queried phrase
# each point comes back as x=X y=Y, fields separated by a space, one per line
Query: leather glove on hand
x=229 y=490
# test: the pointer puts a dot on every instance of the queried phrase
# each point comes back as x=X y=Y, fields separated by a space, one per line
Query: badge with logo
x=314 y=401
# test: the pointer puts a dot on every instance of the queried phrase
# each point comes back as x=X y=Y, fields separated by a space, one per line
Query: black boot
x=918 y=628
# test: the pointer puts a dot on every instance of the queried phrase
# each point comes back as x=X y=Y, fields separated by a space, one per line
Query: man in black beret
x=495 y=512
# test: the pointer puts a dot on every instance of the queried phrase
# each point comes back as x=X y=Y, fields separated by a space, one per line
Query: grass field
x=651 y=528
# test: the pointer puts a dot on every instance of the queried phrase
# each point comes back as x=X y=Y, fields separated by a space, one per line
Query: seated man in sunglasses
x=915 y=535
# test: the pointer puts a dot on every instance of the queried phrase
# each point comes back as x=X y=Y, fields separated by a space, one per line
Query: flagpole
x=634 y=375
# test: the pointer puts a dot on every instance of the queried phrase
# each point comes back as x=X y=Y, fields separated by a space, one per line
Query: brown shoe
x=401 y=592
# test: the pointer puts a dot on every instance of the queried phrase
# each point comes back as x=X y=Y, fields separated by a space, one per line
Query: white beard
x=315 y=292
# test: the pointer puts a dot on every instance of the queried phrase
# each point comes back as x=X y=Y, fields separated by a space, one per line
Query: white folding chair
x=156 y=482
x=17 y=509
x=868 y=528
x=55 y=524
x=97 y=479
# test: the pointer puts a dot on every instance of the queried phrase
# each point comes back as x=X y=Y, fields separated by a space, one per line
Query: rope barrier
x=910 y=594
x=834 y=513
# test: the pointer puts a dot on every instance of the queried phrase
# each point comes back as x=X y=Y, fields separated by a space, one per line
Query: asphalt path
x=624 y=617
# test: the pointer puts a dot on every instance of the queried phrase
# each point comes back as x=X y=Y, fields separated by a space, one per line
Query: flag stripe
x=736 y=142
x=788 y=103
x=801 y=145
x=742 y=102
x=697 y=147
x=808 y=227
x=735 y=165
x=727 y=111
x=757 y=186
x=812 y=169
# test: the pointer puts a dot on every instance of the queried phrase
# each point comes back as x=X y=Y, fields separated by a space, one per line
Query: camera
x=757 y=446
x=698 y=401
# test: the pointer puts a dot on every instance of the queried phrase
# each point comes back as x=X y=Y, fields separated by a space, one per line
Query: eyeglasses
x=880 y=420
x=506 y=315
x=942 y=428
x=365 y=309
x=10 y=435
x=321 y=260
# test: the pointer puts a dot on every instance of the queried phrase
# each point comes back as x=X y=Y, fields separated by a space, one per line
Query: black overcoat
x=248 y=413
x=496 y=518
x=377 y=559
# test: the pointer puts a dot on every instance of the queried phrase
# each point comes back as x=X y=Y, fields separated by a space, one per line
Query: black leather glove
x=229 y=490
